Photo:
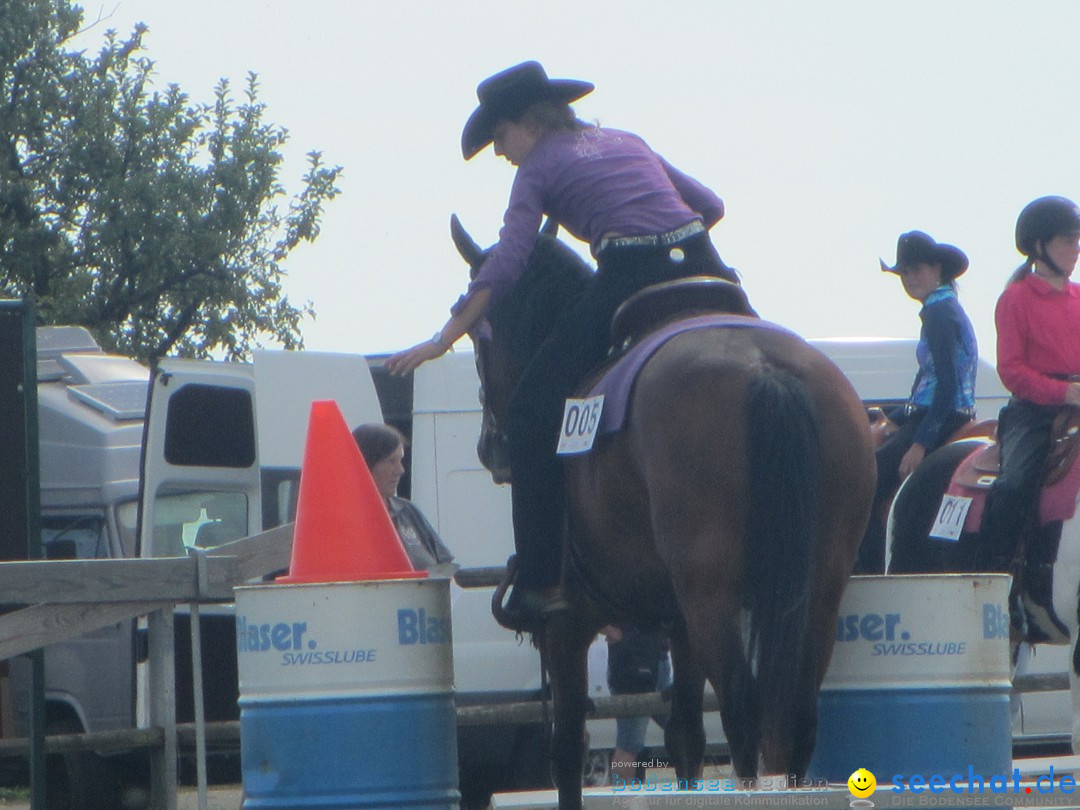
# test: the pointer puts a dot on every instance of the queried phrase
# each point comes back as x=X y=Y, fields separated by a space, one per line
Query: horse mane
x=553 y=279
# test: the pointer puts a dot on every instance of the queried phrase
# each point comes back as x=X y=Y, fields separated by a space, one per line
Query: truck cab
x=90 y=409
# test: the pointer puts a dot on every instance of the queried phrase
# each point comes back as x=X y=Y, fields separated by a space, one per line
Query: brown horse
x=729 y=509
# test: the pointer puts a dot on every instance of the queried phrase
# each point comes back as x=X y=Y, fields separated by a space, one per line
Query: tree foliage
x=155 y=221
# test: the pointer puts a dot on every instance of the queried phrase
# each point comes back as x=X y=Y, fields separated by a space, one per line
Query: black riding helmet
x=1042 y=220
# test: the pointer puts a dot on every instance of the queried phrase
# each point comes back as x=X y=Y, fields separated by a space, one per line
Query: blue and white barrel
x=346 y=695
x=919 y=680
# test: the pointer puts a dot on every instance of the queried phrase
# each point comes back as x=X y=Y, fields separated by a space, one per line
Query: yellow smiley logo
x=862 y=783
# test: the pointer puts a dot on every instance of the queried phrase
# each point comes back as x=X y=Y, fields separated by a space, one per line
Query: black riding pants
x=1024 y=430
x=577 y=344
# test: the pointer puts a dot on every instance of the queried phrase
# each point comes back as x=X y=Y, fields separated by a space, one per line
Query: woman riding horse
x=943 y=394
x=646 y=222
x=1038 y=358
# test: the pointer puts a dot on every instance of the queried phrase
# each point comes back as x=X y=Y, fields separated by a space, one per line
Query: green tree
x=157 y=222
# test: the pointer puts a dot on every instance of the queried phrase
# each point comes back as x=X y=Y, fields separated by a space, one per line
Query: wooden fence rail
x=66 y=599
x=69 y=598
x=532 y=711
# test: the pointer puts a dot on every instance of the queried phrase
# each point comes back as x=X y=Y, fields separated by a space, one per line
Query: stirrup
x=525 y=611
x=497 y=609
x=500 y=591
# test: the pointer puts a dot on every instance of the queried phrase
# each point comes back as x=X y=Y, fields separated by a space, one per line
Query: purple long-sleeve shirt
x=595 y=182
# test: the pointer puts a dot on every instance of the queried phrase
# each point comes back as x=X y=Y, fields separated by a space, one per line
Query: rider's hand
x=912 y=459
x=1072 y=394
x=464 y=318
x=404 y=362
x=611 y=632
x=882 y=427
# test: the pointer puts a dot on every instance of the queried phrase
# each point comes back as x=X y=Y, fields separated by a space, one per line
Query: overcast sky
x=828 y=127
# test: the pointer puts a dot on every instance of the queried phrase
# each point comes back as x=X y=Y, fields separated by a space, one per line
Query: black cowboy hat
x=504 y=97
x=916 y=247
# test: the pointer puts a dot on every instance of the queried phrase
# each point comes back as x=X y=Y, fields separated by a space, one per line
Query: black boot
x=528 y=608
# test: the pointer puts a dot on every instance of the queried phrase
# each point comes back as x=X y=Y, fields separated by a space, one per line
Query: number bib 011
x=950 y=518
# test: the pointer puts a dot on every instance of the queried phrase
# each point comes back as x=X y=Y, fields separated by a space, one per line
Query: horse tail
x=784 y=441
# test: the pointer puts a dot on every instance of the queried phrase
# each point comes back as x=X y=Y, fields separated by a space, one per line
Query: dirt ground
x=228 y=797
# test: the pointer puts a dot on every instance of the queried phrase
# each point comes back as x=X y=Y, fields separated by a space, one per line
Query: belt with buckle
x=909 y=409
x=653 y=240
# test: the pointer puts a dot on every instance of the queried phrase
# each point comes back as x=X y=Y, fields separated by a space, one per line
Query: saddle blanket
x=617 y=383
x=1057 y=502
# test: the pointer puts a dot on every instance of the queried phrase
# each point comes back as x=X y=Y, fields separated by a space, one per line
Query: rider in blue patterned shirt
x=943 y=395
x=948 y=357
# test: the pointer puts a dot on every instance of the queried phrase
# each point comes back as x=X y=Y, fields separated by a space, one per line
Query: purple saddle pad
x=618 y=382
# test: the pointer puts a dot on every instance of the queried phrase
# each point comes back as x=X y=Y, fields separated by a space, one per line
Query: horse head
x=514 y=327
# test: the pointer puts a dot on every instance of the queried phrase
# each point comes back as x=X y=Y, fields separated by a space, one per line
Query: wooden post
x=201 y=579
x=162 y=697
x=20 y=497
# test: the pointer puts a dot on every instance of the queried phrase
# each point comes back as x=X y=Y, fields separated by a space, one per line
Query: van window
x=280 y=491
x=210 y=426
x=189 y=519
x=74 y=537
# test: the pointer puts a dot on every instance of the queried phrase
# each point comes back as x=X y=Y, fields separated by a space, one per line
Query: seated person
x=383 y=448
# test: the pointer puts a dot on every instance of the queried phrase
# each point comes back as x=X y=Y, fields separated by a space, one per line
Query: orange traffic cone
x=343 y=532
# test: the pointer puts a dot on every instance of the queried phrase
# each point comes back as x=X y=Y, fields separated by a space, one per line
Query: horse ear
x=550 y=228
x=469 y=250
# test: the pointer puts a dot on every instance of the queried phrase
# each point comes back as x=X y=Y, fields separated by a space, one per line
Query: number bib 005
x=581 y=419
